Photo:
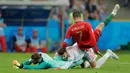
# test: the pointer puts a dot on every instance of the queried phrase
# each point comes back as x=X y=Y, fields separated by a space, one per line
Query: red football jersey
x=83 y=34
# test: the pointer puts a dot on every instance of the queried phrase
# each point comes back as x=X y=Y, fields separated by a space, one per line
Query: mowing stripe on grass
x=118 y=62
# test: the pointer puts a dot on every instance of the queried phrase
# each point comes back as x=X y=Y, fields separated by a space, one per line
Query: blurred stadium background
x=51 y=19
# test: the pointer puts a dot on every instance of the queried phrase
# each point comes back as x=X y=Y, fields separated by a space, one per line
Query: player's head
x=36 y=58
x=62 y=52
x=77 y=16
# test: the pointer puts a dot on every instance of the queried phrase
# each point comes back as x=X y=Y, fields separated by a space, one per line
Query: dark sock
x=21 y=66
x=108 y=19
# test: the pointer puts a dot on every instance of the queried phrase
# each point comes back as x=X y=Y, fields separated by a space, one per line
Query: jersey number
x=80 y=34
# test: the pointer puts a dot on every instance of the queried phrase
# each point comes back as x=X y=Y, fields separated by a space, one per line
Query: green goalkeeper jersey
x=56 y=63
x=73 y=64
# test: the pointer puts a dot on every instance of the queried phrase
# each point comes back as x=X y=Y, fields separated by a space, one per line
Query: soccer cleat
x=15 y=62
x=116 y=8
x=15 y=67
x=112 y=54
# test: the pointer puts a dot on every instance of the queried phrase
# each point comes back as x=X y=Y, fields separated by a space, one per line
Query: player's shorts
x=91 y=57
x=75 y=53
x=97 y=34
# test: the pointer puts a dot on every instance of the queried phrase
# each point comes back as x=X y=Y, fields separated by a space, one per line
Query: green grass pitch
x=111 y=66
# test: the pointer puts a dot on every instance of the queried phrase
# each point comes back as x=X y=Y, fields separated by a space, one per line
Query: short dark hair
x=35 y=58
x=61 y=51
x=76 y=14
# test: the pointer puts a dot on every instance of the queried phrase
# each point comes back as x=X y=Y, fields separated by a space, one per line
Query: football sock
x=102 y=60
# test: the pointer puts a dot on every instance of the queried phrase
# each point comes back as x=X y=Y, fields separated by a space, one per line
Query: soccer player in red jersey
x=86 y=38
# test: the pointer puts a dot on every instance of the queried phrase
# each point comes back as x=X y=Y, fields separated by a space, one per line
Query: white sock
x=87 y=64
x=102 y=60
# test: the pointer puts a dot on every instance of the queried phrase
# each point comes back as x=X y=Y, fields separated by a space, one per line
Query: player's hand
x=58 y=68
x=99 y=53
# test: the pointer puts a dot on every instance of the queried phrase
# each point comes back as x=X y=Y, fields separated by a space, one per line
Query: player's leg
x=100 y=27
x=91 y=58
x=97 y=34
x=103 y=59
x=86 y=63
x=100 y=62
x=109 y=18
x=105 y=23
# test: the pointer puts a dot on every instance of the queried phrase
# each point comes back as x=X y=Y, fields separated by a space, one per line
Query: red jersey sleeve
x=92 y=37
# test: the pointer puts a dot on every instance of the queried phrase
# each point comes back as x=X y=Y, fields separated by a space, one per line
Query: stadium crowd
x=92 y=9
